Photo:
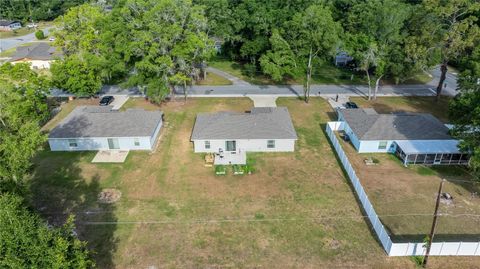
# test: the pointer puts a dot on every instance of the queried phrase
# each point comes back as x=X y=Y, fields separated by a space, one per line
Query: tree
x=376 y=33
x=22 y=109
x=446 y=30
x=85 y=35
x=313 y=34
x=167 y=40
x=78 y=74
x=39 y=35
x=464 y=110
x=27 y=242
x=37 y=10
x=280 y=61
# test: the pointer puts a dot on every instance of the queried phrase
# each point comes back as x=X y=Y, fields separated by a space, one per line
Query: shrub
x=40 y=35
x=220 y=170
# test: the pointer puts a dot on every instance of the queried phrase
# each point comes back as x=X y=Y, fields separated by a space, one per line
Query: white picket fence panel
x=391 y=248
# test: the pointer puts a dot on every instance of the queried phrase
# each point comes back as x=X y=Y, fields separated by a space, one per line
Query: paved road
x=297 y=90
x=12 y=42
x=450 y=81
x=243 y=89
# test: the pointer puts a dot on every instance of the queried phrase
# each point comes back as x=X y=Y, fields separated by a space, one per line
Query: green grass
x=296 y=210
x=214 y=80
x=24 y=30
x=324 y=73
x=20 y=32
x=415 y=104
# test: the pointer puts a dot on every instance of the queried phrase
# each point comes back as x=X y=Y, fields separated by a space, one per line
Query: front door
x=231 y=145
x=113 y=143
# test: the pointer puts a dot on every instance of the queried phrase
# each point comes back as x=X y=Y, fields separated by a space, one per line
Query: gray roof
x=97 y=121
x=260 y=123
x=403 y=126
x=6 y=22
x=37 y=51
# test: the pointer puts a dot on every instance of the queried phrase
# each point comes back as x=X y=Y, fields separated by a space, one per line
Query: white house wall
x=36 y=64
x=353 y=138
x=372 y=146
x=252 y=145
x=154 y=138
x=99 y=143
x=366 y=146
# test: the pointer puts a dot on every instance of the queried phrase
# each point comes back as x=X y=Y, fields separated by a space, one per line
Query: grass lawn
x=24 y=30
x=296 y=210
x=394 y=189
x=324 y=73
x=407 y=104
x=214 y=79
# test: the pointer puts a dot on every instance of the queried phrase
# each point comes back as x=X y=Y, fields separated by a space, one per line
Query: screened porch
x=439 y=152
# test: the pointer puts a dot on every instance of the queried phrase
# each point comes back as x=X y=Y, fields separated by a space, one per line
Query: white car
x=51 y=39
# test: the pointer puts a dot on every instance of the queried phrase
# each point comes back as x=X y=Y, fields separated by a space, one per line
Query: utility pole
x=434 y=225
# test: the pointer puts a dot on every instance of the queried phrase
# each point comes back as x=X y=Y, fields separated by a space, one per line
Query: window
x=382 y=145
x=72 y=143
x=136 y=142
x=207 y=144
x=271 y=144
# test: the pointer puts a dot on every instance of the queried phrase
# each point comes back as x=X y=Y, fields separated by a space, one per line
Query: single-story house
x=101 y=128
x=9 y=25
x=417 y=138
x=342 y=58
x=39 y=55
x=263 y=129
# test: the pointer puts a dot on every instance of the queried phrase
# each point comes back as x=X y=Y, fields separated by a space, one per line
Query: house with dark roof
x=263 y=129
x=39 y=55
x=9 y=25
x=101 y=128
x=417 y=138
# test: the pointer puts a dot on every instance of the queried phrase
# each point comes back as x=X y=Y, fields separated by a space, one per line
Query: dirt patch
x=109 y=196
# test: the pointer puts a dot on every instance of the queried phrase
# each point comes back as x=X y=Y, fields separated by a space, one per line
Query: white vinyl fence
x=391 y=248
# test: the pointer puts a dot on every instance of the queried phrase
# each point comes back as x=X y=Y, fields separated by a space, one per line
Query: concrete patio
x=110 y=156
x=228 y=158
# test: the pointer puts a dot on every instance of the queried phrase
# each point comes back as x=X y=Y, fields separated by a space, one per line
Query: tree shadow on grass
x=58 y=189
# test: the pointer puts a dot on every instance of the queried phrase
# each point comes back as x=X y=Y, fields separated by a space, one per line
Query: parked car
x=106 y=100
x=51 y=39
x=351 y=105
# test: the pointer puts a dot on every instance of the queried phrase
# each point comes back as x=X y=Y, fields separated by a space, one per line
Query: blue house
x=416 y=138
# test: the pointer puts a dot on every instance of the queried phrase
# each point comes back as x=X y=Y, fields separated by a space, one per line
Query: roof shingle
x=38 y=51
x=260 y=123
x=404 y=126
x=93 y=121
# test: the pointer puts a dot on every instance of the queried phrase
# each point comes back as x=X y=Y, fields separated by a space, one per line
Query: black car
x=106 y=100
x=351 y=105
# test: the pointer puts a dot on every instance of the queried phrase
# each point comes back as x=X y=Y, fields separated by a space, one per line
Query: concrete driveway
x=263 y=100
x=118 y=101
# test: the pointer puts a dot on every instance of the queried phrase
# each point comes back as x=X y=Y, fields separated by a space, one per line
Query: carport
x=432 y=152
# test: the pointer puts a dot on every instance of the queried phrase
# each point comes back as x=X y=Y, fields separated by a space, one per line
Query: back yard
x=296 y=210
x=404 y=197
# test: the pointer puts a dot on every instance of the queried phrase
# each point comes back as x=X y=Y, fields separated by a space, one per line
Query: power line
x=246 y=220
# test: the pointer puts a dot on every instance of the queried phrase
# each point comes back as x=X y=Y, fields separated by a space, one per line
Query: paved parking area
x=110 y=156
